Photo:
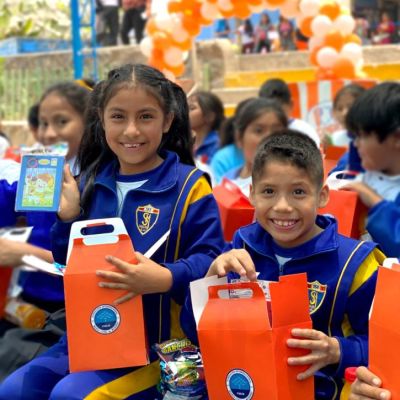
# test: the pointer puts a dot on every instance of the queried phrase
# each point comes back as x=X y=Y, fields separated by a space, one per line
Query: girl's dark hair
x=253 y=109
x=276 y=89
x=292 y=147
x=376 y=111
x=211 y=104
x=33 y=116
x=352 y=89
x=76 y=95
x=94 y=151
x=248 y=27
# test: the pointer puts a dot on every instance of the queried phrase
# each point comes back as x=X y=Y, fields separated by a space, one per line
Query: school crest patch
x=316 y=295
x=146 y=218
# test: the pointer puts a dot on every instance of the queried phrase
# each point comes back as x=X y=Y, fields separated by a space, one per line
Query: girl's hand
x=325 y=350
x=367 y=195
x=236 y=260
x=70 y=197
x=366 y=387
x=142 y=278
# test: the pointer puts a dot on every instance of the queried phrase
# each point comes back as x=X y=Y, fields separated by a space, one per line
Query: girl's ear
x=168 y=122
x=323 y=196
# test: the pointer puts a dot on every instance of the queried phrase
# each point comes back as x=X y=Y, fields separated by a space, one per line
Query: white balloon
x=224 y=5
x=327 y=56
x=146 y=46
x=179 y=33
x=321 y=25
x=163 y=21
x=353 y=52
x=290 y=9
x=345 y=24
x=315 y=41
x=209 y=11
x=173 y=56
x=309 y=8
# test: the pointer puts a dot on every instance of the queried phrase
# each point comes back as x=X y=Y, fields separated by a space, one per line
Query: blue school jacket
x=208 y=148
x=37 y=286
x=177 y=197
x=341 y=275
x=383 y=224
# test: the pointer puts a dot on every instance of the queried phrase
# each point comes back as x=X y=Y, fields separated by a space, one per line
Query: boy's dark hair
x=292 y=147
x=94 y=151
x=211 y=104
x=376 y=111
x=276 y=89
x=33 y=116
x=352 y=89
x=76 y=95
x=253 y=109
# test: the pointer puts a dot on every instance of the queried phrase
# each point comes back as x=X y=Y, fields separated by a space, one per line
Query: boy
x=374 y=119
x=288 y=238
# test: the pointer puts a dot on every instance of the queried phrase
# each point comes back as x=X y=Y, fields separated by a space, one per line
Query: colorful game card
x=39 y=186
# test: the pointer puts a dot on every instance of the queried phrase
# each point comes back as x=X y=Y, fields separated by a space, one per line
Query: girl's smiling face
x=134 y=124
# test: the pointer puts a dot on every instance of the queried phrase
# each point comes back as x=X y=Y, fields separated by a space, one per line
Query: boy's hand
x=142 y=278
x=366 y=387
x=325 y=350
x=367 y=195
x=70 y=197
x=236 y=260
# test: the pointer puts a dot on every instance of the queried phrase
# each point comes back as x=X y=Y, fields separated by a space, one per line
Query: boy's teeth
x=284 y=223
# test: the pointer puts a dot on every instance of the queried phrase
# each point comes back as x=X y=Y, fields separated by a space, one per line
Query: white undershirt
x=122 y=190
x=386 y=186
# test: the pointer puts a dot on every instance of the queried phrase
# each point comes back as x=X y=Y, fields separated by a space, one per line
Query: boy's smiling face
x=286 y=201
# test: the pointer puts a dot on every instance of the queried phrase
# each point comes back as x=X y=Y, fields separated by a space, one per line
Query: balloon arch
x=334 y=49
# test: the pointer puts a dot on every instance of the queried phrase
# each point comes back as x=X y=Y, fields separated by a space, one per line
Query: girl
x=256 y=120
x=261 y=34
x=61 y=118
x=135 y=152
x=206 y=114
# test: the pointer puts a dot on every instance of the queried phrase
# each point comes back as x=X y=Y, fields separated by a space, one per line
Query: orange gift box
x=234 y=207
x=244 y=352
x=348 y=210
x=101 y=335
x=384 y=330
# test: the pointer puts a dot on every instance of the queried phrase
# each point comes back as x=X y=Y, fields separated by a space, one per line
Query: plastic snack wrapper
x=182 y=375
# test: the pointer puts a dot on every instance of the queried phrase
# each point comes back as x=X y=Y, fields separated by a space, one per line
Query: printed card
x=39 y=186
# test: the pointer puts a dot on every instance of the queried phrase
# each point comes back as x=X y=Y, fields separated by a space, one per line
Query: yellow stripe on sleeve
x=366 y=269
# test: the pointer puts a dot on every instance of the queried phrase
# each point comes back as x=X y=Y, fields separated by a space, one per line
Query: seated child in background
x=278 y=90
x=206 y=114
x=289 y=238
x=229 y=155
x=256 y=120
x=344 y=99
x=374 y=119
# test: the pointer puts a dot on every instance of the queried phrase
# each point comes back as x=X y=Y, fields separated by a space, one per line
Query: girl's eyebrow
x=145 y=109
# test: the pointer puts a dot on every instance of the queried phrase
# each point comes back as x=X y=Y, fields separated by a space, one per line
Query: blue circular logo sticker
x=105 y=319
x=239 y=385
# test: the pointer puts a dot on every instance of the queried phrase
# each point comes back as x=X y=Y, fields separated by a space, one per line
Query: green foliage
x=35 y=18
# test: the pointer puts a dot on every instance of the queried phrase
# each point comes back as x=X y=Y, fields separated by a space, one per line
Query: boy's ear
x=168 y=122
x=251 y=197
x=323 y=196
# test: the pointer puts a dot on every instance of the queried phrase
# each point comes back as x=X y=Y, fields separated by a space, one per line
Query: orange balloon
x=313 y=55
x=156 y=59
x=185 y=45
x=227 y=13
x=305 y=26
x=344 y=68
x=254 y=2
x=177 y=71
x=161 y=40
x=353 y=38
x=151 y=27
x=330 y=9
x=334 y=39
x=175 y=6
x=241 y=10
x=275 y=2
x=191 y=24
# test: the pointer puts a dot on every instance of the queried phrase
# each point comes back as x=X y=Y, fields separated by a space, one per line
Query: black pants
x=132 y=19
x=110 y=26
